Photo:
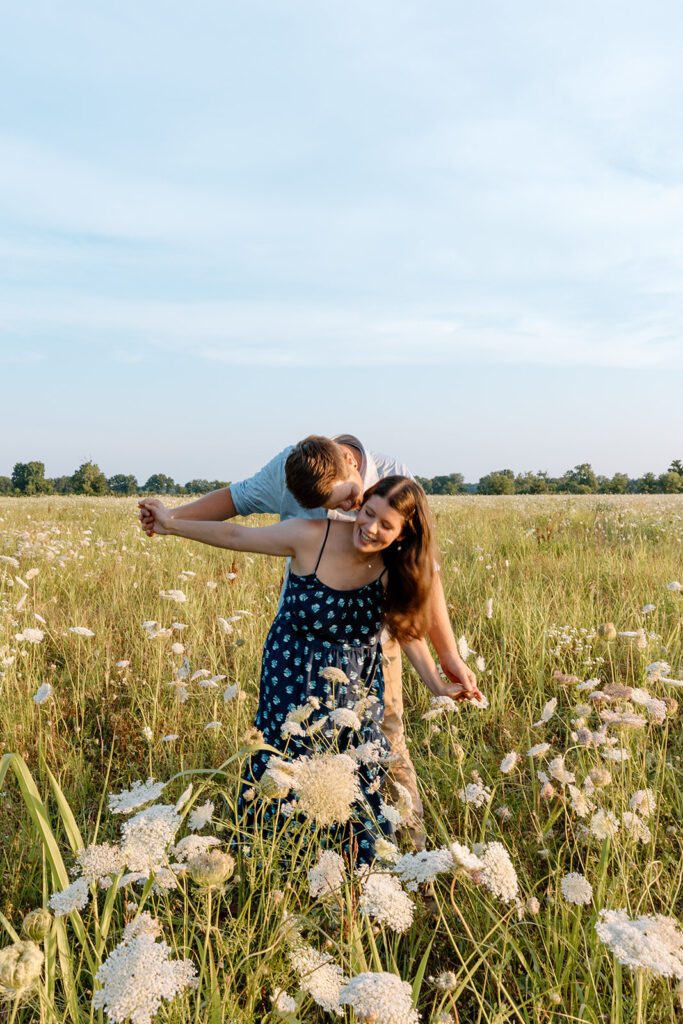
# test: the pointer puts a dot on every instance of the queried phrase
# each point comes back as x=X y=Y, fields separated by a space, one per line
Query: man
x=322 y=477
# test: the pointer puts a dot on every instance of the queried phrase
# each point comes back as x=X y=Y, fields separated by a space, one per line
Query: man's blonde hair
x=312 y=468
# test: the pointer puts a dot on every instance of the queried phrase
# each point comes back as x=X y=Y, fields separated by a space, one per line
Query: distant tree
x=532 y=483
x=159 y=483
x=647 y=484
x=618 y=484
x=676 y=467
x=581 y=479
x=204 y=486
x=62 y=484
x=425 y=483
x=6 y=485
x=122 y=483
x=451 y=484
x=89 y=479
x=671 y=482
x=500 y=482
x=29 y=478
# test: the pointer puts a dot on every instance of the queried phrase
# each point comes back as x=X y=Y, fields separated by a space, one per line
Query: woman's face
x=377 y=525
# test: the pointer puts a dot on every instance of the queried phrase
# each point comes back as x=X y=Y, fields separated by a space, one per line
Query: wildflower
x=282 y=1002
x=615 y=755
x=230 y=692
x=488 y=608
x=437 y=706
x=447 y=981
x=379 y=998
x=480 y=663
x=538 y=750
x=674 y=585
x=603 y=824
x=20 y=967
x=201 y=816
x=497 y=873
x=31 y=635
x=100 y=862
x=547 y=713
x=190 y=846
x=138 y=975
x=600 y=776
x=37 y=924
x=43 y=694
x=416 y=868
x=334 y=675
x=177 y=648
x=212 y=726
x=139 y=794
x=647 y=608
x=651 y=942
x=147 y=837
x=327 y=876
x=636 y=827
x=148 y=734
x=509 y=762
x=318 y=975
x=74 y=897
x=386 y=851
x=475 y=793
x=644 y=802
x=576 y=888
x=464 y=859
x=170 y=737
x=463 y=648
x=327 y=787
x=81 y=631
x=211 y=868
x=367 y=753
x=559 y=772
x=173 y=595
x=384 y=900
x=532 y=905
x=345 y=718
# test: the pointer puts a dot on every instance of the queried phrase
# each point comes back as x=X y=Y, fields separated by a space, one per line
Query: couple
x=357 y=529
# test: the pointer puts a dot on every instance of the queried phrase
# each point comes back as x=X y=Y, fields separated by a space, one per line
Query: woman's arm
x=295 y=536
x=419 y=656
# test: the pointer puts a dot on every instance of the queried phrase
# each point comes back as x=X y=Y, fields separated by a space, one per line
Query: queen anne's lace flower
x=497 y=873
x=100 y=862
x=385 y=901
x=148 y=836
x=318 y=976
x=651 y=942
x=643 y=802
x=20 y=967
x=604 y=824
x=139 y=794
x=538 y=749
x=327 y=787
x=380 y=998
x=558 y=771
x=190 y=846
x=283 y=1003
x=328 y=875
x=345 y=718
x=576 y=888
x=139 y=974
x=200 y=817
x=464 y=859
x=43 y=694
x=509 y=762
x=74 y=897
x=636 y=827
x=475 y=793
x=415 y=868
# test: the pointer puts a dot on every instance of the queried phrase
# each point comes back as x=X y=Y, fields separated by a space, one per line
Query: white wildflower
x=464 y=859
x=576 y=888
x=559 y=772
x=547 y=713
x=100 y=862
x=283 y=1003
x=173 y=595
x=139 y=794
x=509 y=762
x=650 y=942
x=538 y=750
x=190 y=846
x=580 y=804
x=604 y=824
x=200 y=817
x=463 y=648
x=643 y=802
x=327 y=787
x=636 y=827
x=318 y=975
x=384 y=900
x=619 y=755
x=183 y=798
x=438 y=706
x=138 y=975
x=368 y=753
x=415 y=868
x=230 y=692
x=380 y=998
x=345 y=718
x=334 y=675
x=20 y=968
x=31 y=635
x=74 y=897
x=488 y=608
x=328 y=875
x=147 y=837
x=43 y=694
x=498 y=873
x=475 y=793
x=81 y=631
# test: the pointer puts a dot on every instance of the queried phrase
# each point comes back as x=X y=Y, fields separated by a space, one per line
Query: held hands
x=154 y=516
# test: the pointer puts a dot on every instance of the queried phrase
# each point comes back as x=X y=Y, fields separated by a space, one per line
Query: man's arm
x=441 y=635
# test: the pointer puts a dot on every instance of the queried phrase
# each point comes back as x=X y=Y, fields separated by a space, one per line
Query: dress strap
x=381 y=575
x=320 y=554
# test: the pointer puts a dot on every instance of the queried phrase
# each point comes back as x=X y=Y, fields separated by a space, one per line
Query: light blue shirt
x=267 y=491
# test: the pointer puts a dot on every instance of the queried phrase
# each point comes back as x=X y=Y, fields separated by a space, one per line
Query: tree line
x=29 y=478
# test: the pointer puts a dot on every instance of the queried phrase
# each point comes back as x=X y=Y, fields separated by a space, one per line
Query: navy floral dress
x=318 y=628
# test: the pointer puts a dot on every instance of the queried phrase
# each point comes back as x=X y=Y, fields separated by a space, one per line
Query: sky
x=452 y=229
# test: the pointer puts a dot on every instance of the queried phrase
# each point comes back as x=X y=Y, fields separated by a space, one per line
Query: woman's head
x=395 y=519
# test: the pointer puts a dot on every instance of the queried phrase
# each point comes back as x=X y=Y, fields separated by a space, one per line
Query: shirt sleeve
x=264 y=491
x=387 y=465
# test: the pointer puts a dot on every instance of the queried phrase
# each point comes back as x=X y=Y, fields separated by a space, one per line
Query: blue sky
x=454 y=229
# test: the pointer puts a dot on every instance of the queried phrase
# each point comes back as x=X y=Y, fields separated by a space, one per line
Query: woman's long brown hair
x=410 y=561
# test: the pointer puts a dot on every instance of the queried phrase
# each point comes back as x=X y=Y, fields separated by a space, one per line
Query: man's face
x=346 y=495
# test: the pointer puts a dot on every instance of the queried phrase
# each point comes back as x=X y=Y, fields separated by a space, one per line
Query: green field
x=531 y=583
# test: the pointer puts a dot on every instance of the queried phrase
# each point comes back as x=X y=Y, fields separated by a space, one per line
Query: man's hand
x=154 y=516
x=457 y=672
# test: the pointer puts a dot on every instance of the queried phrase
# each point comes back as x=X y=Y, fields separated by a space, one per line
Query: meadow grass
x=555 y=569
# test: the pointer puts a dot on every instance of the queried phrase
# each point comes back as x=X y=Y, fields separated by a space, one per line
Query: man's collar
x=368 y=468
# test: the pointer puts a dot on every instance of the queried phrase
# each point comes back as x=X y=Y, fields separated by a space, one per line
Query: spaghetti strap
x=320 y=554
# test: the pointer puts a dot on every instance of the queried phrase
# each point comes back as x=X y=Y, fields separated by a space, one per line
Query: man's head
x=323 y=474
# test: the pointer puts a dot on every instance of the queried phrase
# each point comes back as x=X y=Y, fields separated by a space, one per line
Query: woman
x=322 y=657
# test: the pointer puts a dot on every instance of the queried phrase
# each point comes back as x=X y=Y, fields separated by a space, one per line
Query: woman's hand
x=458 y=672
x=155 y=517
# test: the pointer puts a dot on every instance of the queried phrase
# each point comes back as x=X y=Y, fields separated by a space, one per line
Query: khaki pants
x=402 y=769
